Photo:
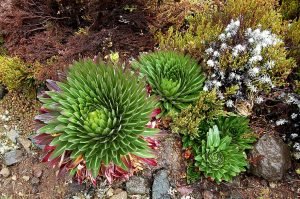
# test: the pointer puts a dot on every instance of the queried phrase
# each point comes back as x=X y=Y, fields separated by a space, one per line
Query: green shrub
x=206 y=108
x=204 y=25
x=176 y=79
x=99 y=114
x=17 y=75
x=290 y=9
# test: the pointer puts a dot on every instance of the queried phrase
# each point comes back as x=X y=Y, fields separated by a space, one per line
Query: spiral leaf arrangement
x=177 y=79
x=99 y=115
x=219 y=158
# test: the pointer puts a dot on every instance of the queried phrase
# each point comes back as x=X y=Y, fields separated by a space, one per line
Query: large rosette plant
x=95 y=122
x=175 y=78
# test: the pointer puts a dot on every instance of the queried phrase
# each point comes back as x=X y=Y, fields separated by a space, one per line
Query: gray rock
x=35 y=189
x=137 y=185
x=25 y=143
x=13 y=135
x=35 y=181
x=161 y=185
x=26 y=178
x=5 y=172
x=2 y=91
x=13 y=157
x=275 y=158
x=235 y=194
x=170 y=157
x=121 y=195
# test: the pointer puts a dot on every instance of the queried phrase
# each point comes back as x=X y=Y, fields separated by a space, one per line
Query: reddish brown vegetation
x=44 y=31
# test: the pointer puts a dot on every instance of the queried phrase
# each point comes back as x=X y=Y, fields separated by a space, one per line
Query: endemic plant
x=237 y=127
x=219 y=158
x=95 y=122
x=177 y=79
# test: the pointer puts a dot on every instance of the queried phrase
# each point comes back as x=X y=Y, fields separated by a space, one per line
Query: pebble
x=37 y=173
x=13 y=157
x=121 y=195
x=14 y=177
x=25 y=143
x=35 y=181
x=161 y=185
x=5 y=172
x=26 y=178
x=137 y=185
x=12 y=135
x=35 y=189
x=110 y=192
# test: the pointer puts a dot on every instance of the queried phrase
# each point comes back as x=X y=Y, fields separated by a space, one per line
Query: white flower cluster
x=251 y=75
x=172 y=191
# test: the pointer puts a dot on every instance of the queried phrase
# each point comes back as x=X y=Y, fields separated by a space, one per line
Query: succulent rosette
x=219 y=158
x=95 y=122
x=177 y=79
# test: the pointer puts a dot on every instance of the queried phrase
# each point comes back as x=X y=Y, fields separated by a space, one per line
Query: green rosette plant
x=97 y=118
x=218 y=158
x=177 y=79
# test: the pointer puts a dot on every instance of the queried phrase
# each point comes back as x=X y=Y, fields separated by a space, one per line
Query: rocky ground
x=22 y=175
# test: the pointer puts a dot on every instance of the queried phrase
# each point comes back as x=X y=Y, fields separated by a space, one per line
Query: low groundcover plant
x=95 y=122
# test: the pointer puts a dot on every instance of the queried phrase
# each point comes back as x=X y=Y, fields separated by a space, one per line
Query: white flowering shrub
x=241 y=64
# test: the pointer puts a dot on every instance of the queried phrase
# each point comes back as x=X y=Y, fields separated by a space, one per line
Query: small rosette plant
x=95 y=122
x=218 y=158
x=242 y=65
x=177 y=79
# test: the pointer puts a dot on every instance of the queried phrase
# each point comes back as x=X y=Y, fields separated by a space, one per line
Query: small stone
x=138 y=197
x=37 y=173
x=13 y=157
x=26 y=178
x=118 y=190
x=121 y=195
x=12 y=135
x=208 y=195
x=110 y=192
x=235 y=194
x=25 y=143
x=14 y=177
x=161 y=185
x=137 y=185
x=35 y=181
x=5 y=172
x=272 y=185
x=35 y=190
x=275 y=158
